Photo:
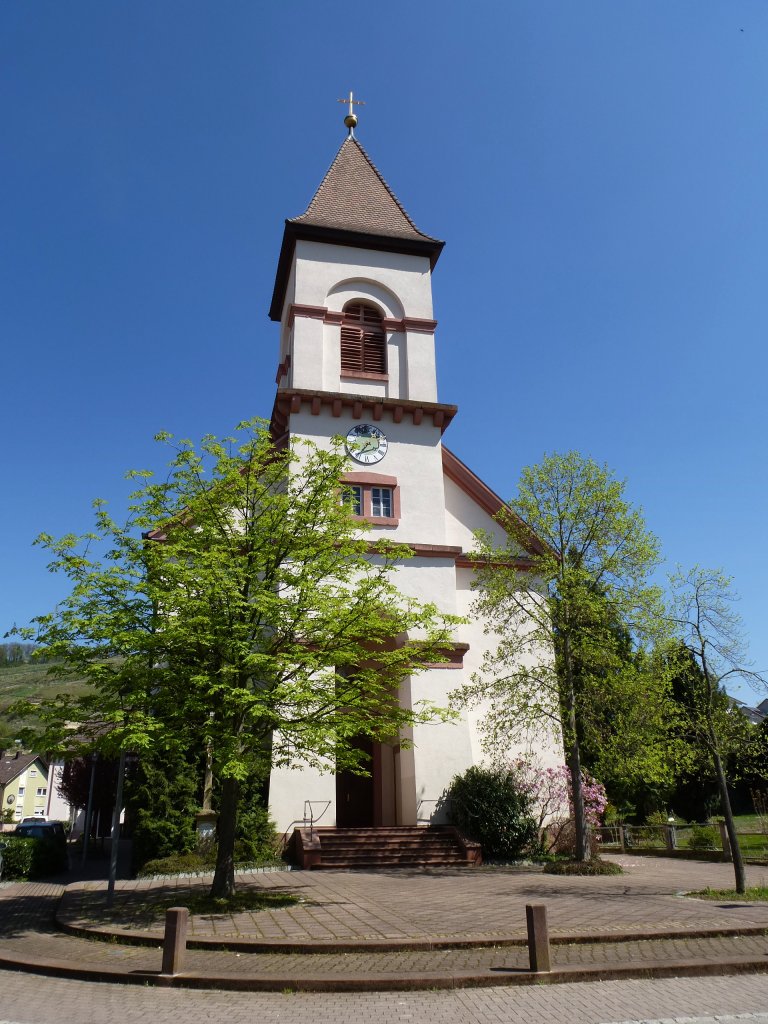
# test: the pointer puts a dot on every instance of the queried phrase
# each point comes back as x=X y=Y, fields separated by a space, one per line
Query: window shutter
x=351 y=349
x=363 y=347
x=374 y=356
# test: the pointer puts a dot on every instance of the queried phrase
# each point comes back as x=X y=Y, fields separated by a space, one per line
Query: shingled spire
x=353 y=195
x=353 y=206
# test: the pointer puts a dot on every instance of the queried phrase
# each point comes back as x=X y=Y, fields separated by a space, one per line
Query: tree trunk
x=224 y=876
x=722 y=783
x=730 y=824
x=581 y=845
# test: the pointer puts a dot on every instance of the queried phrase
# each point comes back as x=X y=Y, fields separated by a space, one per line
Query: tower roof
x=353 y=206
x=354 y=195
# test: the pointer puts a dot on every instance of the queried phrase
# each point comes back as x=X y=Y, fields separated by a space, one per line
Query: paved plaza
x=398 y=930
x=24 y=1000
x=450 y=905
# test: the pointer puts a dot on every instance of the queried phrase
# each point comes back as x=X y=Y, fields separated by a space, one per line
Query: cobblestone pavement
x=444 y=904
x=24 y=1000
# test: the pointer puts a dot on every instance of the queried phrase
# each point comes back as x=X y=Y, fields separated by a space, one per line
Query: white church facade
x=353 y=297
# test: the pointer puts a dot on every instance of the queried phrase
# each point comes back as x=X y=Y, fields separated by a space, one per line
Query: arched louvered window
x=363 y=340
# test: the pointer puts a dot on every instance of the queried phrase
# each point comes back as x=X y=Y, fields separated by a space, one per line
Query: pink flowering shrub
x=549 y=790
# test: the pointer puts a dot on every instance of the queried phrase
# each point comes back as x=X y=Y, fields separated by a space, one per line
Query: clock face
x=366 y=443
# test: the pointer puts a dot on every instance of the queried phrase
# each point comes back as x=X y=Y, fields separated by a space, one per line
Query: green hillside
x=29 y=680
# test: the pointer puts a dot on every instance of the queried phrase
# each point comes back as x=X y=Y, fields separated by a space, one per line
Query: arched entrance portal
x=381 y=798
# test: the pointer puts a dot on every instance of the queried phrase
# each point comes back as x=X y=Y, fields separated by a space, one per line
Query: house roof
x=14 y=764
x=352 y=206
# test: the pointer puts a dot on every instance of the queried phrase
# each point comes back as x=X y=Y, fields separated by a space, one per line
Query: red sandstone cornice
x=331 y=316
x=291 y=400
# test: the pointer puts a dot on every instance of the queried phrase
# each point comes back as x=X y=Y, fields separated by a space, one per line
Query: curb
x=387 y=982
x=478 y=941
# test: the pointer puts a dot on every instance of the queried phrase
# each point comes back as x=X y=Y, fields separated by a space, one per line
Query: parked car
x=34 y=818
x=49 y=855
x=36 y=829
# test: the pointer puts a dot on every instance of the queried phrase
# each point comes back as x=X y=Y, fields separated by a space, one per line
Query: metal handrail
x=307 y=818
x=312 y=819
x=418 y=809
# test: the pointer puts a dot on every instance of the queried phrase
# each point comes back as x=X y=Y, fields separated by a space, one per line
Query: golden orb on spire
x=351 y=119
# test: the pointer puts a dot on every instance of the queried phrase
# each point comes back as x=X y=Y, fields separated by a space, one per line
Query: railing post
x=725 y=842
x=538 y=937
x=175 y=940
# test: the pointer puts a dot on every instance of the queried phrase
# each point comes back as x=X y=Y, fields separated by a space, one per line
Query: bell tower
x=353 y=292
x=353 y=296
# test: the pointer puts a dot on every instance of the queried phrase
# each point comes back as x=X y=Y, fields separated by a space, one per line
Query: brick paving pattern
x=23 y=1000
x=398 y=906
x=447 y=904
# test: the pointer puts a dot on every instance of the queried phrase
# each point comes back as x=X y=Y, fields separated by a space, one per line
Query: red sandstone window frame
x=366 y=482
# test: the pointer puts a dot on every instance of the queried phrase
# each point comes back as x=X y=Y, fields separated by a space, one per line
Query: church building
x=357 y=358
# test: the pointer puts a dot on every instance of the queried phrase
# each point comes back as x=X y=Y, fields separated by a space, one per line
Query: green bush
x=257 y=838
x=653 y=833
x=199 y=863
x=179 y=864
x=703 y=837
x=488 y=807
x=18 y=856
x=25 y=857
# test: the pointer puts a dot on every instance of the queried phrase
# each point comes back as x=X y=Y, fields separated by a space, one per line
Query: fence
x=684 y=840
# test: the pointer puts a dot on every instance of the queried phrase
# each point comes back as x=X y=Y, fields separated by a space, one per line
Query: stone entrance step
x=367 y=848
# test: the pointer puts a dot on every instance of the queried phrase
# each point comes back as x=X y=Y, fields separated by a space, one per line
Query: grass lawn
x=747 y=822
x=138 y=908
x=756 y=894
x=248 y=899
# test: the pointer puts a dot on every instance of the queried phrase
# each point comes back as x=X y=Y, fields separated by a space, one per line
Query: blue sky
x=598 y=171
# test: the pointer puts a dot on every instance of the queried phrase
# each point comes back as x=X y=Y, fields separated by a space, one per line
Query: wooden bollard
x=538 y=937
x=175 y=940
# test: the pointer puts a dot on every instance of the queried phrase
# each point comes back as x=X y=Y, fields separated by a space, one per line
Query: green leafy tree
x=240 y=608
x=710 y=654
x=625 y=735
x=576 y=563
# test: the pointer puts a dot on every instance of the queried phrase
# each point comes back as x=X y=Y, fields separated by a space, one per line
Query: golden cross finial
x=351 y=119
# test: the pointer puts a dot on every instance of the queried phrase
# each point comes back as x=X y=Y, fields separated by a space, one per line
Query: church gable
x=471 y=505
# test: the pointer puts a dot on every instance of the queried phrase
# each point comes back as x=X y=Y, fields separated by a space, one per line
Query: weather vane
x=351 y=119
